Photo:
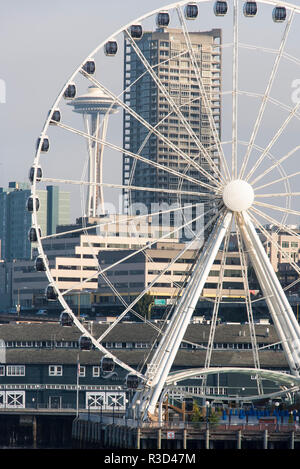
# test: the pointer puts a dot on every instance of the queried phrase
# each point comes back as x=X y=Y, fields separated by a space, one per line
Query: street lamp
x=89 y=406
x=18 y=305
x=207 y=404
x=126 y=403
x=113 y=406
x=101 y=405
x=138 y=410
x=277 y=416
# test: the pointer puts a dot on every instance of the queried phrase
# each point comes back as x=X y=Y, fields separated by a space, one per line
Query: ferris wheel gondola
x=107 y=364
x=65 y=319
x=40 y=264
x=232 y=162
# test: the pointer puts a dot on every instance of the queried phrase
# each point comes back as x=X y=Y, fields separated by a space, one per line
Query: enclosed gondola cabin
x=32 y=234
x=30 y=204
x=163 y=19
x=136 y=31
x=111 y=48
x=35 y=171
x=39 y=264
x=85 y=343
x=220 y=8
x=132 y=381
x=44 y=146
x=50 y=293
x=55 y=116
x=70 y=91
x=191 y=11
x=65 y=319
x=279 y=14
x=107 y=364
x=250 y=9
x=89 y=67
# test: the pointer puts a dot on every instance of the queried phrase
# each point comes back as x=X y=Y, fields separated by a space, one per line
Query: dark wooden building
x=41 y=364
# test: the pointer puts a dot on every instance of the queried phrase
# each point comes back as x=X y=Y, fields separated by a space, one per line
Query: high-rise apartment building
x=16 y=220
x=166 y=51
x=58 y=208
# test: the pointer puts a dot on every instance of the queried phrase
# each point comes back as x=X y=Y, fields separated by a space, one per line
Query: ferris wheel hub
x=238 y=195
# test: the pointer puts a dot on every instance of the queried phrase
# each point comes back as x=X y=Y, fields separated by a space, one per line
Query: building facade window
x=15 y=370
x=96 y=371
x=55 y=370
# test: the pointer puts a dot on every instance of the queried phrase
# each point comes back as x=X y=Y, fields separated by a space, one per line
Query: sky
x=43 y=42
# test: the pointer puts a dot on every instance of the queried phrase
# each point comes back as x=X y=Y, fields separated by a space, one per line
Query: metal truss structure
x=247 y=172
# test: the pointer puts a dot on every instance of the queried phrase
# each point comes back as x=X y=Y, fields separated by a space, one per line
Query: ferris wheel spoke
x=174 y=106
x=122 y=300
x=129 y=187
x=235 y=57
x=218 y=298
x=248 y=303
x=126 y=90
x=275 y=243
x=279 y=209
x=279 y=194
x=285 y=55
x=273 y=141
x=125 y=219
x=133 y=168
x=150 y=285
x=136 y=156
x=140 y=119
x=282 y=179
x=276 y=164
x=200 y=173
x=275 y=222
x=137 y=251
x=270 y=99
x=206 y=101
x=266 y=95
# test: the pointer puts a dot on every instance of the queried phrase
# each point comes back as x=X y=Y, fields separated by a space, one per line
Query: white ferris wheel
x=244 y=164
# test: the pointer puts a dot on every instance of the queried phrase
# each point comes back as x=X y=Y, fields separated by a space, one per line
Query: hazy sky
x=43 y=42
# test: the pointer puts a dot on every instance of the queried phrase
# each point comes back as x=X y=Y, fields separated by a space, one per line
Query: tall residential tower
x=16 y=220
x=167 y=53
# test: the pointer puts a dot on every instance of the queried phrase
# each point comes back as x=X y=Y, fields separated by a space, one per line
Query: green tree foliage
x=143 y=305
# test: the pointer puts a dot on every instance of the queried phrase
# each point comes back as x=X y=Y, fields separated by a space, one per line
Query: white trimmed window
x=15 y=370
x=96 y=371
x=82 y=371
x=55 y=370
x=2 y=370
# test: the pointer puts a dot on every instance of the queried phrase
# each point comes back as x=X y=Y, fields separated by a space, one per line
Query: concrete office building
x=72 y=255
x=284 y=246
x=130 y=278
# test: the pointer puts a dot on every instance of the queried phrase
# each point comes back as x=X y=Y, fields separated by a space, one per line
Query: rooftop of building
x=135 y=332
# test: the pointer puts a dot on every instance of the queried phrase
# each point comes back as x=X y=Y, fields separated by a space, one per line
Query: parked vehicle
x=42 y=312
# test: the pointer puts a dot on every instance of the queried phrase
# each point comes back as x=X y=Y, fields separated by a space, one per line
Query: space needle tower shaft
x=95 y=107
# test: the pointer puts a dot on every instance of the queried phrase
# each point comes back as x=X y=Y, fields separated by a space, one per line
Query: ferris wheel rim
x=170 y=6
x=289 y=6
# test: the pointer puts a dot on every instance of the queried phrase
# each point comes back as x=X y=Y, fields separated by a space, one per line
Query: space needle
x=96 y=107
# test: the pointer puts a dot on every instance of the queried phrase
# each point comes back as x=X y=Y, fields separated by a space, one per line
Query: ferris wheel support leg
x=281 y=312
x=163 y=359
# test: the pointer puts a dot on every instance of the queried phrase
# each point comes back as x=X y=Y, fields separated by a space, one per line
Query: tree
x=197 y=415
x=143 y=306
